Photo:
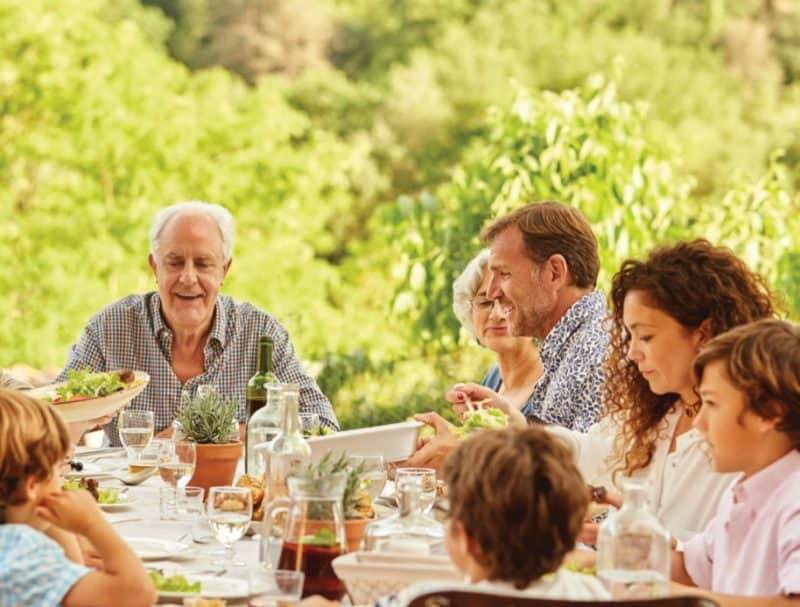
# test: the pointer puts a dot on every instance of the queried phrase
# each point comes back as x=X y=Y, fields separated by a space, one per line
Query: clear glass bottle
x=408 y=530
x=633 y=548
x=262 y=427
x=289 y=448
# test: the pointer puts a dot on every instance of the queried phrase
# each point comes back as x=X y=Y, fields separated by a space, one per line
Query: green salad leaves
x=173 y=583
x=85 y=384
x=491 y=419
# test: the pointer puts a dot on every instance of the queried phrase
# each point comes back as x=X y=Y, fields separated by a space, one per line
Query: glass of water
x=271 y=588
x=135 y=430
x=229 y=510
x=373 y=475
x=176 y=462
x=425 y=478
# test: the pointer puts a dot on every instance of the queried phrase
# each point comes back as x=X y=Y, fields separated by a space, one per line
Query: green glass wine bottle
x=256 y=386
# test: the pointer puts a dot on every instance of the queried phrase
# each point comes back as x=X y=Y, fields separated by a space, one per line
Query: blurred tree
x=589 y=149
x=250 y=37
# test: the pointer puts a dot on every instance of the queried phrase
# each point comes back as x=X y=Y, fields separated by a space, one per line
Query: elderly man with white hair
x=186 y=334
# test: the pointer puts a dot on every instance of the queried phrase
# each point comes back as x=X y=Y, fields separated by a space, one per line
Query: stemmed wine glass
x=135 y=431
x=176 y=462
x=373 y=473
x=229 y=510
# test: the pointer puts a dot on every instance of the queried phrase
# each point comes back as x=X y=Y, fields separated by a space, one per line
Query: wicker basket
x=369 y=576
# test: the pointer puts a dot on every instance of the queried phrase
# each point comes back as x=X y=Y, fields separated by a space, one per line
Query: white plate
x=125 y=501
x=212 y=587
x=91 y=470
x=155 y=549
x=395 y=442
x=92 y=408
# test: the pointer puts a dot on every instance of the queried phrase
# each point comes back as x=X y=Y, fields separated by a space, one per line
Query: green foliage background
x=362 y=146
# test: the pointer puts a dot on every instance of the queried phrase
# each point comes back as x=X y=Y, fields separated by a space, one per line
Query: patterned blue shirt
x=34 y=571
x=132 y=334
x=569 y=391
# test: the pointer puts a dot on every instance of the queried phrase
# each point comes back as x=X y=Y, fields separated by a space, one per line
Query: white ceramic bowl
x=395 y=442
x=92 y=408
x=372 y=575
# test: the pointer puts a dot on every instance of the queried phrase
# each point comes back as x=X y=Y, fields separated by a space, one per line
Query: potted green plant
x=210 y=421
x=356 y=503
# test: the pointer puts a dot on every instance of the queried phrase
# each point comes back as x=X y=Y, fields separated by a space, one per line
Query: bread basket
x=369 y=576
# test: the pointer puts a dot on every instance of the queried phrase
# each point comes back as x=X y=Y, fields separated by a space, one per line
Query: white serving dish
x=369 y=576
x=92 y=408
x=395 y=442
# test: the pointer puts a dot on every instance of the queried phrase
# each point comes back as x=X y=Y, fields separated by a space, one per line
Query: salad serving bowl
x=92 y=407
x=395 y=442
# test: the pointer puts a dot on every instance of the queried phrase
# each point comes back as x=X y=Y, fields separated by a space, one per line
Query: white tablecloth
x=142 y=519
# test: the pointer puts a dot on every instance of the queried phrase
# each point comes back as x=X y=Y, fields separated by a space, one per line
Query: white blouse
x=684 y=489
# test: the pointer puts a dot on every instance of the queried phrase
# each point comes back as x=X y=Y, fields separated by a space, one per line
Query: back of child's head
x=33 y=438
x=520 y=498
x=762 y=360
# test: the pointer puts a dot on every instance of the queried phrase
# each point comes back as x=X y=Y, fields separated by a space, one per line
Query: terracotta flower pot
x=353 y=530
x=216 y=465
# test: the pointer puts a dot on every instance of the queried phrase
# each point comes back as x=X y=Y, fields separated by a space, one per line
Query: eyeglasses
x=483 y=304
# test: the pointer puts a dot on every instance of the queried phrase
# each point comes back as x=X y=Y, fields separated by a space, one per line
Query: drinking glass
x=271 y=588
x=135 y=430
x=229 y=510
x=309 y=424
x=425 y=478
x=146 y=458
x=176 y=462
x=373 y=476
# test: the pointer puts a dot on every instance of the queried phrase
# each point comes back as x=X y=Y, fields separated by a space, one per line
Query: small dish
x=125 y=502
x=212 y=587
x=156 y=549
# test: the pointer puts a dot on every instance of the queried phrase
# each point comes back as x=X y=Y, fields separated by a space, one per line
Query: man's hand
x=74 y=510
x=165 y=433
x=462 y=395
x=432 y=451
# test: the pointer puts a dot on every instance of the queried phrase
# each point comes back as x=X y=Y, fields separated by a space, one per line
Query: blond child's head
x=517 y=503
x=33 y=440
x=749 y=384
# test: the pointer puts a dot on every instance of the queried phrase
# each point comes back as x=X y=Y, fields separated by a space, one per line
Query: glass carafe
x=262 y=427
x=288 y=451
x=311 y=520
x=409 y=530
x=633 y=548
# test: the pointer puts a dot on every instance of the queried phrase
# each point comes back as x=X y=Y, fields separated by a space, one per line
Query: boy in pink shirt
x=749 y=384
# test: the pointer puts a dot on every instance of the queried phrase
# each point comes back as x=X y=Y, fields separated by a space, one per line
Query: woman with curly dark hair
x=663 y=309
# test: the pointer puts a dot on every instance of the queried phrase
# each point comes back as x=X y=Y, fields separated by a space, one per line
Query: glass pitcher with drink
x=313 y=531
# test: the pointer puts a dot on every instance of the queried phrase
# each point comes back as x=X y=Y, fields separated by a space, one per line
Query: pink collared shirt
x=752 y=546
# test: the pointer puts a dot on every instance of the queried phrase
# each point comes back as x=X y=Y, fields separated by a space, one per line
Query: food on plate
x=173 y=583
x=102 y=495
x=83 y=385
x=256 y=486
x=319 y=430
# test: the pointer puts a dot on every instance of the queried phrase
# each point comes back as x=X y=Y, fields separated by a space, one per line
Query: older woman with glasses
x=518 y=365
